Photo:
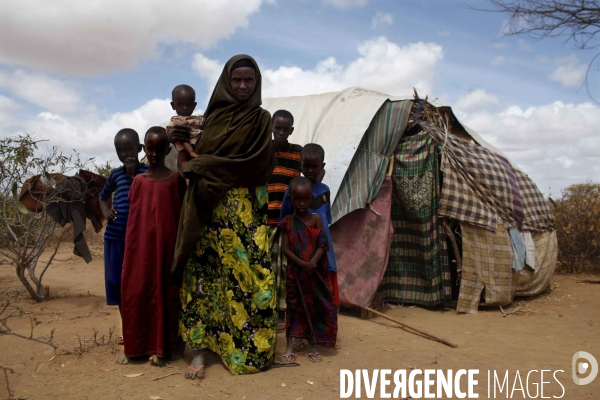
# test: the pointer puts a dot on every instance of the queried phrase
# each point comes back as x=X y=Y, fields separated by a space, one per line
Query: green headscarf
x=235 y=151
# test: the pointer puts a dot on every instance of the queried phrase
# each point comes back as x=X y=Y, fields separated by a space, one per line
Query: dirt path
x=543 y=334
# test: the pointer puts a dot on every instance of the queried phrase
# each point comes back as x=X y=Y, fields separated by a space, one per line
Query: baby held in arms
x=184 y=103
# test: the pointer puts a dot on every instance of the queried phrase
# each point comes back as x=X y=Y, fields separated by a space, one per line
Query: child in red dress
x=150 y=302
x=311 y=314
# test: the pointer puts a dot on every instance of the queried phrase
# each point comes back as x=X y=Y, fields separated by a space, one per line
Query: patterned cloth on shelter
x=487 y=262
x=227 y=293
x=370 y=162
x=479 y=186
x=362 y=248
x=310 y=311
x=194 y=122
x=418 y=269
x=537 y=214
x=530 y=281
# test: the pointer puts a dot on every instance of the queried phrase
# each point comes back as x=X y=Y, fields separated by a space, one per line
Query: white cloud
x=569 y=72
x=209 y=70
x=499 y=45
x=545 y=141
x=346 y=4
x=382 y=18
x=543 y=59
x=477 y=100
x=565 y=161
x=523 y=45
x=8 y=107
x=498 y=60
x=46 y=92
x=91 y=133
x=382 y=66
x=91 y=38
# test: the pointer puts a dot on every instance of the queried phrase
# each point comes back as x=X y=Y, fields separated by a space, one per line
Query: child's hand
x=130 y=164
x=180 y=133
x=308 y=267
x=111 y=214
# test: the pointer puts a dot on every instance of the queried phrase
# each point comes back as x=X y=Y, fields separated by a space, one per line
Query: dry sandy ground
x=543 y=334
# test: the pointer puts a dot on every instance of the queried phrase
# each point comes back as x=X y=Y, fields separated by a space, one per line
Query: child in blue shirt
x=127 y=145
x=312 y=166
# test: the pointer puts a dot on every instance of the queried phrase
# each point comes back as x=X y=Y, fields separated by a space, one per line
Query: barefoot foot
x=122 y=359
x=158 y=361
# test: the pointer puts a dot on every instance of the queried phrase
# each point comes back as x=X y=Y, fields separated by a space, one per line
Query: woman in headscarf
x=227 y=295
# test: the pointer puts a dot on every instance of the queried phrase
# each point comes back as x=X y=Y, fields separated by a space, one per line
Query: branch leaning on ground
x=7 y=312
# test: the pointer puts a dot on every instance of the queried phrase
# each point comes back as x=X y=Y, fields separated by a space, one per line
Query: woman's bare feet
x=122 y=359
x=196 y=369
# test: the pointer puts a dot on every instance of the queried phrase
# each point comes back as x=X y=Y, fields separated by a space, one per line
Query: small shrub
x=577 y=217
x=104 y=169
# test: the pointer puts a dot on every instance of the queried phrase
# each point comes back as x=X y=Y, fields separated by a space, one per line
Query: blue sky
x=76 y=72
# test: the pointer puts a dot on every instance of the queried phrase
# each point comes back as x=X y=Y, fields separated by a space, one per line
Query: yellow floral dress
x=228 y=295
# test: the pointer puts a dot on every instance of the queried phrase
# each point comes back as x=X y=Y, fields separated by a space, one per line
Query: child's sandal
x=314 y=357
x=288 y=358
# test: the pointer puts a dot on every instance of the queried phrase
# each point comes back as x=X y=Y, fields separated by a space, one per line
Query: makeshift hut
x=424 y=210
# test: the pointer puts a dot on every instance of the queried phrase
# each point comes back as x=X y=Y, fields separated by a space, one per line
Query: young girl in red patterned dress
x=311 y=314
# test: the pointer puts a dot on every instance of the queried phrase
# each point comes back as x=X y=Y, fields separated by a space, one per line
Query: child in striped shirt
x=287 y=167
x=127 y=145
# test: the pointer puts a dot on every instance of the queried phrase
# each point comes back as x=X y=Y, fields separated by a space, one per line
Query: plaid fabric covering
x=530 y=282
x=487 y=263
x=538 y=216
x=477 y=187
x=370 y=162
x=417 y=270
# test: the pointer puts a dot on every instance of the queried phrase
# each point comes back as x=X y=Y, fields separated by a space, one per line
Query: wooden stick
x=164 y=376
x=429 y=335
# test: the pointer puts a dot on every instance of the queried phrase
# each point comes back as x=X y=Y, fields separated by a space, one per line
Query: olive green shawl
x=235 y=151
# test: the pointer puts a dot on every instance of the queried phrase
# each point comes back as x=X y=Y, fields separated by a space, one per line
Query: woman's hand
x=179 y=133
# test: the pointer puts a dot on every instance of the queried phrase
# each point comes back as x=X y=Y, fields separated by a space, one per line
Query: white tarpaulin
x=336 y=121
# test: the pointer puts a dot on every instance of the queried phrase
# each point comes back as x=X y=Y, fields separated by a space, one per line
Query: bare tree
x=24 y=235
x=577 y=21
